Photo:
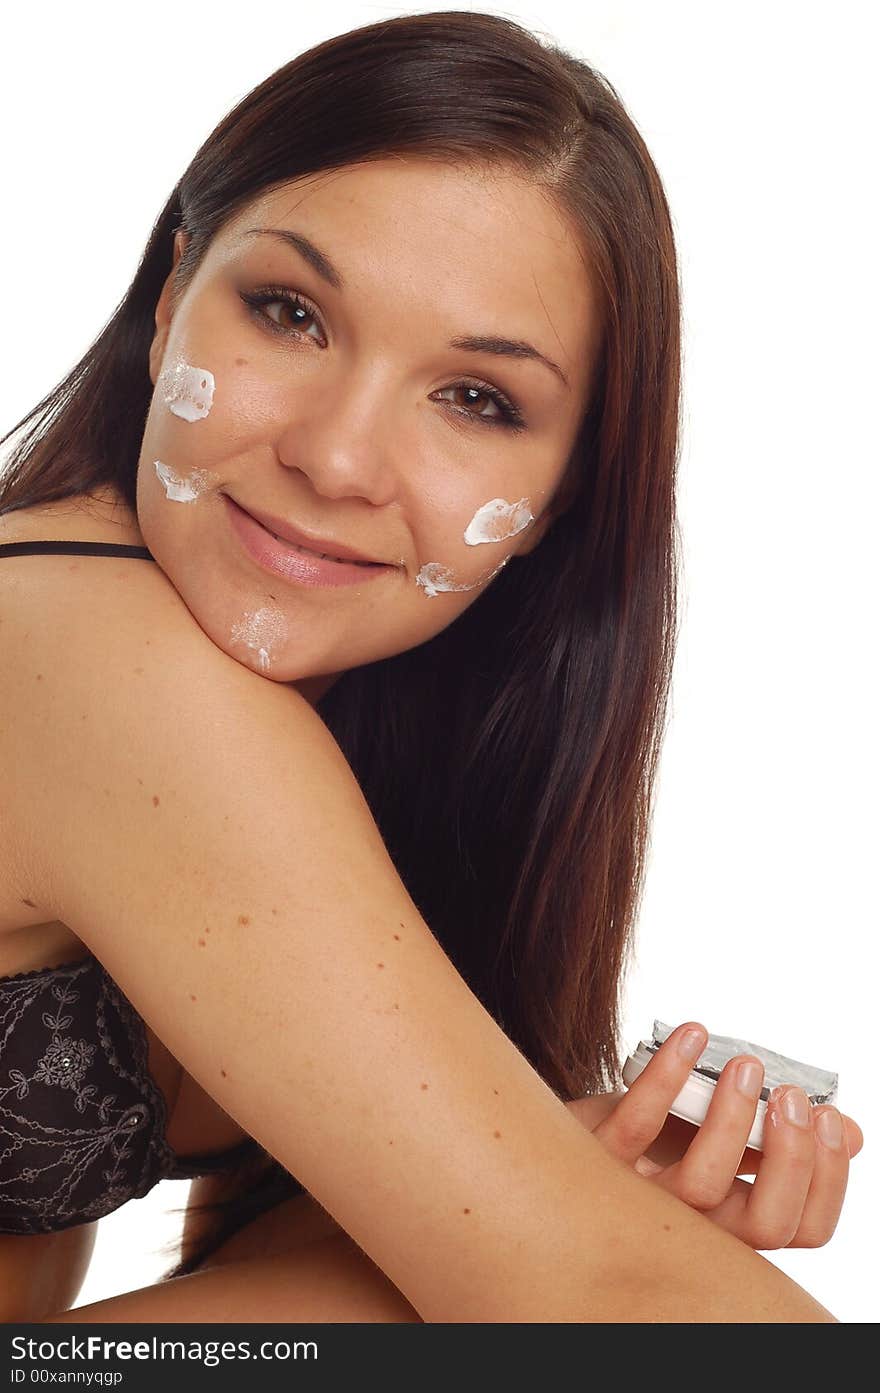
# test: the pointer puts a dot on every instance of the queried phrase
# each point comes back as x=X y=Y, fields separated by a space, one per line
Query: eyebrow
x=467 y=343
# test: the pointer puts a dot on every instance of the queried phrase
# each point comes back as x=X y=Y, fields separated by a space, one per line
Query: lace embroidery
x=92 y=1132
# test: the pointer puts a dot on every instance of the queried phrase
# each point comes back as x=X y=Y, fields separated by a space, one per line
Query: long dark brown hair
x=519 y=818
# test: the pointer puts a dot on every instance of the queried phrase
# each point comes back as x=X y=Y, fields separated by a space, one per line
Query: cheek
x=473 y=544
x=186 y=389
x=251 y=399
x=197 y=383
x=498 y=520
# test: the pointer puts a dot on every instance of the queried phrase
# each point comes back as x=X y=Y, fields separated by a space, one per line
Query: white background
x=759 y=915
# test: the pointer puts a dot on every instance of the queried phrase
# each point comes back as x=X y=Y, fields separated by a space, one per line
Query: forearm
x=675 y=1265
x=627 y=1251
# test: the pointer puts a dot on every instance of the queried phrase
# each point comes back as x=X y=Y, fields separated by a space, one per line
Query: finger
x=779 y=1192
x=640 y=1116
x=646 y=1167
x=708 y=1168
x=750 y=1163
x=673 y=1141
x=855 y=1138
x=828 y=1182
x=730 y=1214
x=824 y=1201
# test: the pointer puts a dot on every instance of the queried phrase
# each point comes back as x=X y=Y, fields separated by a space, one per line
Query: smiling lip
x=335 y=551
x=300 y=567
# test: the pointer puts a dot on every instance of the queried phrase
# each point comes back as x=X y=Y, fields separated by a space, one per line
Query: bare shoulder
x=108 y=674
x=197 y=827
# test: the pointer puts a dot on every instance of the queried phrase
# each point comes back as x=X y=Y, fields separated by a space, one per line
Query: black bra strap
x=76 y=549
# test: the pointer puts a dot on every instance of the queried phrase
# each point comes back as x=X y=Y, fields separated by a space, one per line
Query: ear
x=163 y=308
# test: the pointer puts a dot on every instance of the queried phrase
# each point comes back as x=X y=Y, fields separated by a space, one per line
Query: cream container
x=693 y=1101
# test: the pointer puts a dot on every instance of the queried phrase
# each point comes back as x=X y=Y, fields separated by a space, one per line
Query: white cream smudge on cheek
x=497 y=520
x=187 y=391
x=261 y=630
x=182 y=490
x=434 y=578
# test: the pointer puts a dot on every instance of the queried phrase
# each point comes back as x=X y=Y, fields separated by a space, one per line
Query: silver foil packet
x=820 y=1085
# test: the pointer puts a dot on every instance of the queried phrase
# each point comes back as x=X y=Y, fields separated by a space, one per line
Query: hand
x=800 y=1178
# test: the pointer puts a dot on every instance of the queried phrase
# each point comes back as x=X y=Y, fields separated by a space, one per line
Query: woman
x=343 y=857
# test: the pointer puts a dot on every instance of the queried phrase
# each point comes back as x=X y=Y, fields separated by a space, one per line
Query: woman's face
x=350 y=416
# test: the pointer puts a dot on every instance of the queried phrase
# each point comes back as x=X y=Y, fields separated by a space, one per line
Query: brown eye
x=471 y=396
x=505 y=413
x=297 y=310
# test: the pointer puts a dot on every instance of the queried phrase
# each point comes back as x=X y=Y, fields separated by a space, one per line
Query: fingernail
x=830 y=1128
x=795 y=1107
x=749 y=1077
x=692 y=1044
x=646 y=1167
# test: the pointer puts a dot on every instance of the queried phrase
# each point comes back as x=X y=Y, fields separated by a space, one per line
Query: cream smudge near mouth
x=434 y=578
x=182 y=490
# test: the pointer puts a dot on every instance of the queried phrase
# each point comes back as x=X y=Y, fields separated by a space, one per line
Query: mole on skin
x=155 y=801
x=243 y=919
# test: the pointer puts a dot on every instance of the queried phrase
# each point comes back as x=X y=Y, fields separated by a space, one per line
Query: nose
x=339 y=435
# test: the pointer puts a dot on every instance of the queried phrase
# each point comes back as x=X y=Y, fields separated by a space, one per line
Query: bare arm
x=328 y=1281
x=199 y=829
x=42 y=1272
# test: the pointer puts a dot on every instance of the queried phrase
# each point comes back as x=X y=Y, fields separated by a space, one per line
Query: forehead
x=483 y=236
